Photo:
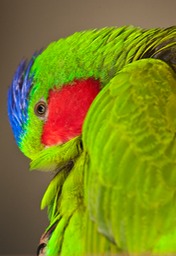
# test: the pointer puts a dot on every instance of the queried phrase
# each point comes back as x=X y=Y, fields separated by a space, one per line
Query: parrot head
x=48 y=101
x=50 y=95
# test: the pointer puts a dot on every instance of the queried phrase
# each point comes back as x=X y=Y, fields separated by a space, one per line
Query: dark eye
x=40 y=109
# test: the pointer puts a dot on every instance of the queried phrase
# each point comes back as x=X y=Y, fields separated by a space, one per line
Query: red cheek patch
x=67 y=108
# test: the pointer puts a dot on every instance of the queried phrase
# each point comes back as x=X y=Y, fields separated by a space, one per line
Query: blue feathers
x=18 y=98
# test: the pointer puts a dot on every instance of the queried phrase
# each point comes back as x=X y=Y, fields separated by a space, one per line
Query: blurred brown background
x=26 y=26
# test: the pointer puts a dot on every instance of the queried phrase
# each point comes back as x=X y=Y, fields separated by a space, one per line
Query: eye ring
x=40 y=109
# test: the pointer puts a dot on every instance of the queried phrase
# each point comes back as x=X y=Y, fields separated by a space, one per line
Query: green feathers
x=131 y=176
x=114 y=186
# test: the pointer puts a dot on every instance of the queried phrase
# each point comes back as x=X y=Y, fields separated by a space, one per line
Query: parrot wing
x=130 y=171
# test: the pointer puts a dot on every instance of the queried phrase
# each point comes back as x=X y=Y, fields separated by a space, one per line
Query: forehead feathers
x=18 y=98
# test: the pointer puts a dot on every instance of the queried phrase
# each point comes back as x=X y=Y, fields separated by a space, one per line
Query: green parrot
x=98 y=110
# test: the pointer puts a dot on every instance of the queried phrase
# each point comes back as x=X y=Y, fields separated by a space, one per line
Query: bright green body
x=134 y=203
x=119 y=196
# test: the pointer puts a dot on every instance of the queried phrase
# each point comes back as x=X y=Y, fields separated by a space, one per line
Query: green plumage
x=134 y=203
x=115 y=184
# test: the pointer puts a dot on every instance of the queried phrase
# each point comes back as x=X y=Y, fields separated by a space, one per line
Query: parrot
x=97 y=109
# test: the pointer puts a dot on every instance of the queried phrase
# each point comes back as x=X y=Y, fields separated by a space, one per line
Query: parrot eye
x=40 y=109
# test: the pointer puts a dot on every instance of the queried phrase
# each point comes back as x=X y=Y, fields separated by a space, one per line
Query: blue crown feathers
x=18 y=98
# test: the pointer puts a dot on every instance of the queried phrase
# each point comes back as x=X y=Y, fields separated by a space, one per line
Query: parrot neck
x=67 y=108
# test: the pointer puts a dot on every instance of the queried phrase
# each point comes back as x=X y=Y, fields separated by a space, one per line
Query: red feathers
x=67 y=108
